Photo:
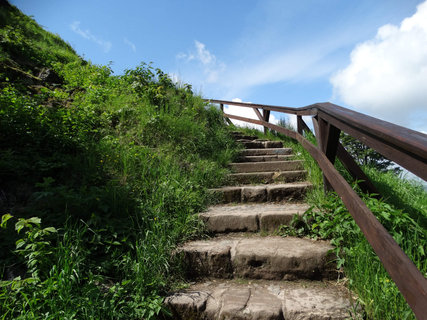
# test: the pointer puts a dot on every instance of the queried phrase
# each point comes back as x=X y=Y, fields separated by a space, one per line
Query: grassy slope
x=115 y=167
x=118 y=165
x=403 y=212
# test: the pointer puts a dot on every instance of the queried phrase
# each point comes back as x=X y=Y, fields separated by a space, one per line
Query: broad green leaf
x=19 y=225
x=50 y=229
x=20 y=243
x=4 y=219
x=34 y=220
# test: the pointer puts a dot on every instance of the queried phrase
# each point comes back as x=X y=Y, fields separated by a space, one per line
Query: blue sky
x=368 y=55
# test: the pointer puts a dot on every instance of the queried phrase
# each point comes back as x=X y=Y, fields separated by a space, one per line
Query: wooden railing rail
x=404 y=146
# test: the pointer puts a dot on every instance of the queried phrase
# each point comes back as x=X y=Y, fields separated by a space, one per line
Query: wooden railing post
x=266 y=117
x=300 y=125
x=329 y=136
x=221 y=107
x=349 y=163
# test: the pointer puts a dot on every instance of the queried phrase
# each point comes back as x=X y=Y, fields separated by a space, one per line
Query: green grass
x=113 y=167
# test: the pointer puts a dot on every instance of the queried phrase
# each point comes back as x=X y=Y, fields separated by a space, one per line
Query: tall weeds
x=104 y=173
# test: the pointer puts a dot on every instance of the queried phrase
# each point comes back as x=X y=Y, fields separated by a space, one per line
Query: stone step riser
x=262 y=144
x=268 y=193
x=269 y=258
x=250 y=218
x=265 y=158
x=266 y=151
x=267 y=177
x=250 y=140
x=244 y=137
x=245 y=167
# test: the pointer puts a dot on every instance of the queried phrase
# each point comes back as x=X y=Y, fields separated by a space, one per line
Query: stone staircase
x=246 y=272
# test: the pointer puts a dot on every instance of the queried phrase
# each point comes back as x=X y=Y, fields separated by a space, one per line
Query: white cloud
x=246 y=113
x=75 y=26
x=296 y=65
x=207 y=61
x=203 y=54
x=130 y=44
x=387 y=76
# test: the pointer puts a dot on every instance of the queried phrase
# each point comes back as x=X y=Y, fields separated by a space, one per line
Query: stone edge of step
x=266 y=151
x=263 y=300
x=250 y=218
x=262 y=193
x=255 y=257
x=267 y=177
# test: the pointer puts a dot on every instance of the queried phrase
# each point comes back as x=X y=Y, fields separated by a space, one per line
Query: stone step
x=290 y=165
x=263 y=300
x=256 y=257
x=267 y=177
x=262 y=193
x=250 y=217
x=265 y=151
x=239 y=135
x=264 y=158
x=244 y=140
x=262 y=144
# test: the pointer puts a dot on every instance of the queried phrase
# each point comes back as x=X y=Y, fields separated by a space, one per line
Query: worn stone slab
x=228 y=194
x=256 y=144
x=315 y=303
x=289 y=191
x=267 y=177
x=273 y=144
x=253 y=144
x=244 y=140
x=267 y=157
x=263 y=300
x=281 y=258
x=208 y=258
x=290 y=165
x=275 y=192
x=265 y=151
x=244 y=136
x=250 y=217
x=254 y=194
x=271 y=258
x=188 y=305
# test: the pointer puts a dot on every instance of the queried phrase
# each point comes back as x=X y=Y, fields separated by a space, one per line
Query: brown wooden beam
x=258 y=114
x=266 y=117
x=352 y=167
x=356 y=172
x=329 y=139
x=302 y=126
x=405 y=158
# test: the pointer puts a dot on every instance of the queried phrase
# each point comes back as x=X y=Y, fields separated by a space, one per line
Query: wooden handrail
x=388 y=139
x=406 y=147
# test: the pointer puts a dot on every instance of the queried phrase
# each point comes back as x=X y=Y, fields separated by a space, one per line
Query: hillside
x=99 y=177
x=101 y=174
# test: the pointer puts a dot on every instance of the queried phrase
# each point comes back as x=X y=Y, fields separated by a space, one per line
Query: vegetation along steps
x=245 y=271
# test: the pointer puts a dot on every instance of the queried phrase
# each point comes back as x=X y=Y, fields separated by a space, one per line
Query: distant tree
x=367 y=156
